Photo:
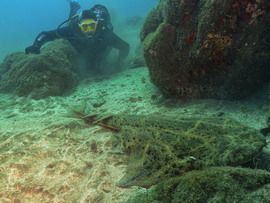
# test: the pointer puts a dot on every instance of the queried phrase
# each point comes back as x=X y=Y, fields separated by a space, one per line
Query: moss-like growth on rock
x=159 y=148
x=215 y=185
x=208 y=49
x=50 y=73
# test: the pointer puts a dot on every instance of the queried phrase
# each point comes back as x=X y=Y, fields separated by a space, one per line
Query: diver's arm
x=123 y=47
x=47 y=36
x=74 y=6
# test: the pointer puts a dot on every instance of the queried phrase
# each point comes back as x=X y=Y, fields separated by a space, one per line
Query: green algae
x=217 y=184
x=162 y=147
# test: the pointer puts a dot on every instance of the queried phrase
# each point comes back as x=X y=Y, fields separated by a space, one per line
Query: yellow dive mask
x=88 y=26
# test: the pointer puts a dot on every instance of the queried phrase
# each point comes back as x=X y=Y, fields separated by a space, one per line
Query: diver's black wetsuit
x=93 y=48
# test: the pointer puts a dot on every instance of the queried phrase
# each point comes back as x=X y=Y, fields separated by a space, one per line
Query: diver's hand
x=74 y=4
x=32 y=50
x=74 y=7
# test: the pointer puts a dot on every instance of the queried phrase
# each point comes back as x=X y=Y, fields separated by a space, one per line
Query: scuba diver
x=90 y=33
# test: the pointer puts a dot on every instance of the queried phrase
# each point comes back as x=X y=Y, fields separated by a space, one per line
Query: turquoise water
x=21 y=21
x=115 y=129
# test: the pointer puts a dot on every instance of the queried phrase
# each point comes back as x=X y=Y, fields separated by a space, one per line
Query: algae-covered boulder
x=50 y=73
x=208 y=49
x=212 y=185
x=138 y=59
x=162 y=147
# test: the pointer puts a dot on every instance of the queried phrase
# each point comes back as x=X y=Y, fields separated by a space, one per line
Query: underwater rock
x=217 y=184
x=50 y=73
x=161 y=147
x=138 y=59
x=208 y=49
x=153 y=20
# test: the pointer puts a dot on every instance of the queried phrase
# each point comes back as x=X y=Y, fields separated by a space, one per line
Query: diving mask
x=88 y=26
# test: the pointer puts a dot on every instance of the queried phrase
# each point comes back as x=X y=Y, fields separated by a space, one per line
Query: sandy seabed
x=48 y=155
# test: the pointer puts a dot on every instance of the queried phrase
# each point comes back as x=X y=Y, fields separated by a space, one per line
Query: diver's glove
x=33 y=49
x=74 y=7
x=74 y=4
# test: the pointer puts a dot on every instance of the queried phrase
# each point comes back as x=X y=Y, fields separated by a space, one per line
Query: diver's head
x=88 y=26
x=88 y=23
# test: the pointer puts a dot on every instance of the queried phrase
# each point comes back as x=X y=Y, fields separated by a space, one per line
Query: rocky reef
x=217 y=184
x=208 y=49
x=190 y=159
x=159 y=148
x=51 y=73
